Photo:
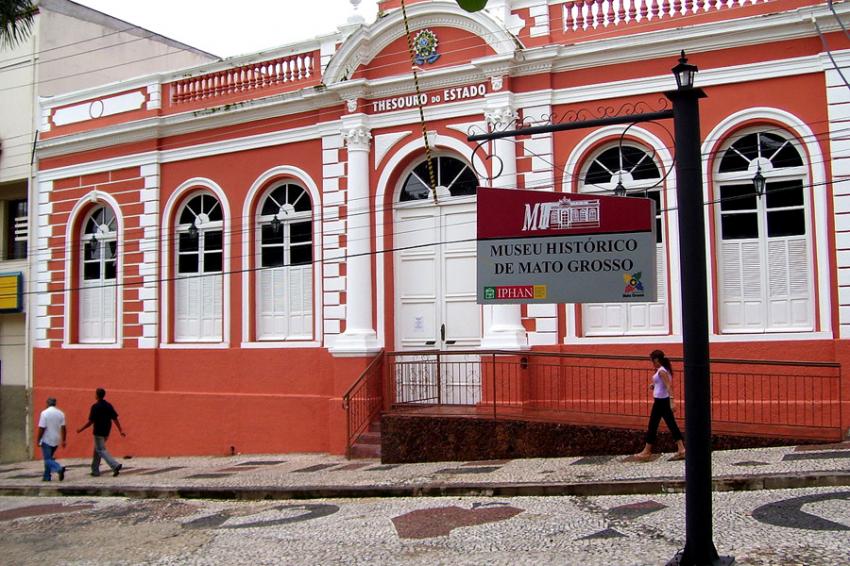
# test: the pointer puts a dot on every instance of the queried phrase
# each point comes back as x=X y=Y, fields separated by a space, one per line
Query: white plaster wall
x=17 y=109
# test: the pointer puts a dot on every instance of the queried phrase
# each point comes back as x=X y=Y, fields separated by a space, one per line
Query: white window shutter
x=198 y=309
x=285 y=303
x=89 y=313
x=108 y=296
x=265 y=303
x=800 y=285
x=300 y=301
x=210 y=307
x=271 y=303
x=788 y=284
x=741 y=302
x=619 y=319
x=603 y=319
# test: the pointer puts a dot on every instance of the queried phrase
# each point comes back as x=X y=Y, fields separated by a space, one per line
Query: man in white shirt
x=51 y=431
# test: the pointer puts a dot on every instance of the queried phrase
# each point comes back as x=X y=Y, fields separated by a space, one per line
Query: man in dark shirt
x=101 y=416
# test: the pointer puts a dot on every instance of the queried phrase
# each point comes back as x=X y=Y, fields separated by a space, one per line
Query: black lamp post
x=699 y=546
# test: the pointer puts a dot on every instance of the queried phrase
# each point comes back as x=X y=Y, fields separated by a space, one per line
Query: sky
x=223 y=29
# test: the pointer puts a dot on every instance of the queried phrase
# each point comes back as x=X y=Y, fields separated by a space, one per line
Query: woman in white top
x=662 y=407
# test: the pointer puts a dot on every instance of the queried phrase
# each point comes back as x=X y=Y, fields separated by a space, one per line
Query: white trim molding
x=178 y=196
x=572 y=167
x=822 y=263
x=249 y=208
x=92 y=198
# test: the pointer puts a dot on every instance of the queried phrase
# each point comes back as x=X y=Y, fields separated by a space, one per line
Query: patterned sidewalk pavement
x=306 y=476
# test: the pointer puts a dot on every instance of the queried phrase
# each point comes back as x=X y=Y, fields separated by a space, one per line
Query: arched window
x=635 y=169
x=764 y=249
x=453 y=178
x=98 y=277
x=200 y=265
x=285 y=261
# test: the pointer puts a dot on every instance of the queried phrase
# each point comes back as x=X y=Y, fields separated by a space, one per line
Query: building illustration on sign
x=563 y=214
x=567 y=213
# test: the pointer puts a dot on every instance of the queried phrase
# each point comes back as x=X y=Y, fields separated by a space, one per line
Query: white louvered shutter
x=186 y=316
x=789 y=294
x=300 y=301
x=741 y=284
x=272 y=303
x=108 y=294
x=210 y=296
x=90 y=306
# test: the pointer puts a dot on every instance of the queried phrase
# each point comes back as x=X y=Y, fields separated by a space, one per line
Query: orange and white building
x=225 y=249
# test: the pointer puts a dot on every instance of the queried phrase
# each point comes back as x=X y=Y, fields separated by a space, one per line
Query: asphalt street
x=766 y=527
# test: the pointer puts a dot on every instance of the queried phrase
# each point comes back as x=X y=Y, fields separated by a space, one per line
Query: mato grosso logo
x=564 y=214
x=634 y=288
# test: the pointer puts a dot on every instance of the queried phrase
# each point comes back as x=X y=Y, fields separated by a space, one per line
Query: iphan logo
x=634 y=287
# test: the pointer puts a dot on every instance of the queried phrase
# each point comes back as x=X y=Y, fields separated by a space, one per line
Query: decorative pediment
x=368 y=42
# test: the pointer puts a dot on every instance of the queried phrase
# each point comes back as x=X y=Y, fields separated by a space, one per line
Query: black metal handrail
x=363 y=400
x=740 y=361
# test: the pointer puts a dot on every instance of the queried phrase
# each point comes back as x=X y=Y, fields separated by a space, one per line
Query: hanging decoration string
x=432 y=178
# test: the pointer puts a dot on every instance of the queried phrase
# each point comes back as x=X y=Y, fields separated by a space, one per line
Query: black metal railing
x=782 y=398
x=363 y=400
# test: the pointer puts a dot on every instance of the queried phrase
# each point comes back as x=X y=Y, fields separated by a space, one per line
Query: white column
x=359 y=336
x=505 y=330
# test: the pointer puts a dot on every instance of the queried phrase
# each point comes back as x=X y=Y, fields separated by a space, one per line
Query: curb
x=619 y=487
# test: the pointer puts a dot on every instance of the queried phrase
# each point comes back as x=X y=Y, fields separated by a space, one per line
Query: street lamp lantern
x=619 y=190
x=759 y=182
x=275 y=224
x=684 y=72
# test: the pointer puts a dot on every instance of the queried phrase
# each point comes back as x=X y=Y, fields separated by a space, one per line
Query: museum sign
x=546 y=247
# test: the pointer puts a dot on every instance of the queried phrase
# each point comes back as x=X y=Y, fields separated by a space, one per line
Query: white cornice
x=622 y=50
x=712 y=77
x=458 y=110
x=305 y=100
x=454 y=111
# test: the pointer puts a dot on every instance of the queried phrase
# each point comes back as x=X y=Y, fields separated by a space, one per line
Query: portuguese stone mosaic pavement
x=804 y=526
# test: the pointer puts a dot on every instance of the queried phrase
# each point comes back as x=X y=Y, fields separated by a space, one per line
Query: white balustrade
x=264 y=74
x=583 y=15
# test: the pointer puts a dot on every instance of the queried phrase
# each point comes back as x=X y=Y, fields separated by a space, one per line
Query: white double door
x=435 y=307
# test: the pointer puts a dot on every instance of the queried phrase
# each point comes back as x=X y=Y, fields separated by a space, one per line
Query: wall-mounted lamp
x=759 y=182
x=619 y=190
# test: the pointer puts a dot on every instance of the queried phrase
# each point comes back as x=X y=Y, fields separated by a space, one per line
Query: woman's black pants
x=661 y=410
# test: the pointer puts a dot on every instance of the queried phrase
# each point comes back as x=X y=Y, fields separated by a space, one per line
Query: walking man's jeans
x=101 y=452
x=50 y=465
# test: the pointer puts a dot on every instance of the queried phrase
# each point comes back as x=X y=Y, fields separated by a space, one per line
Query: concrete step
x=365 y=451
x=369 y=438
